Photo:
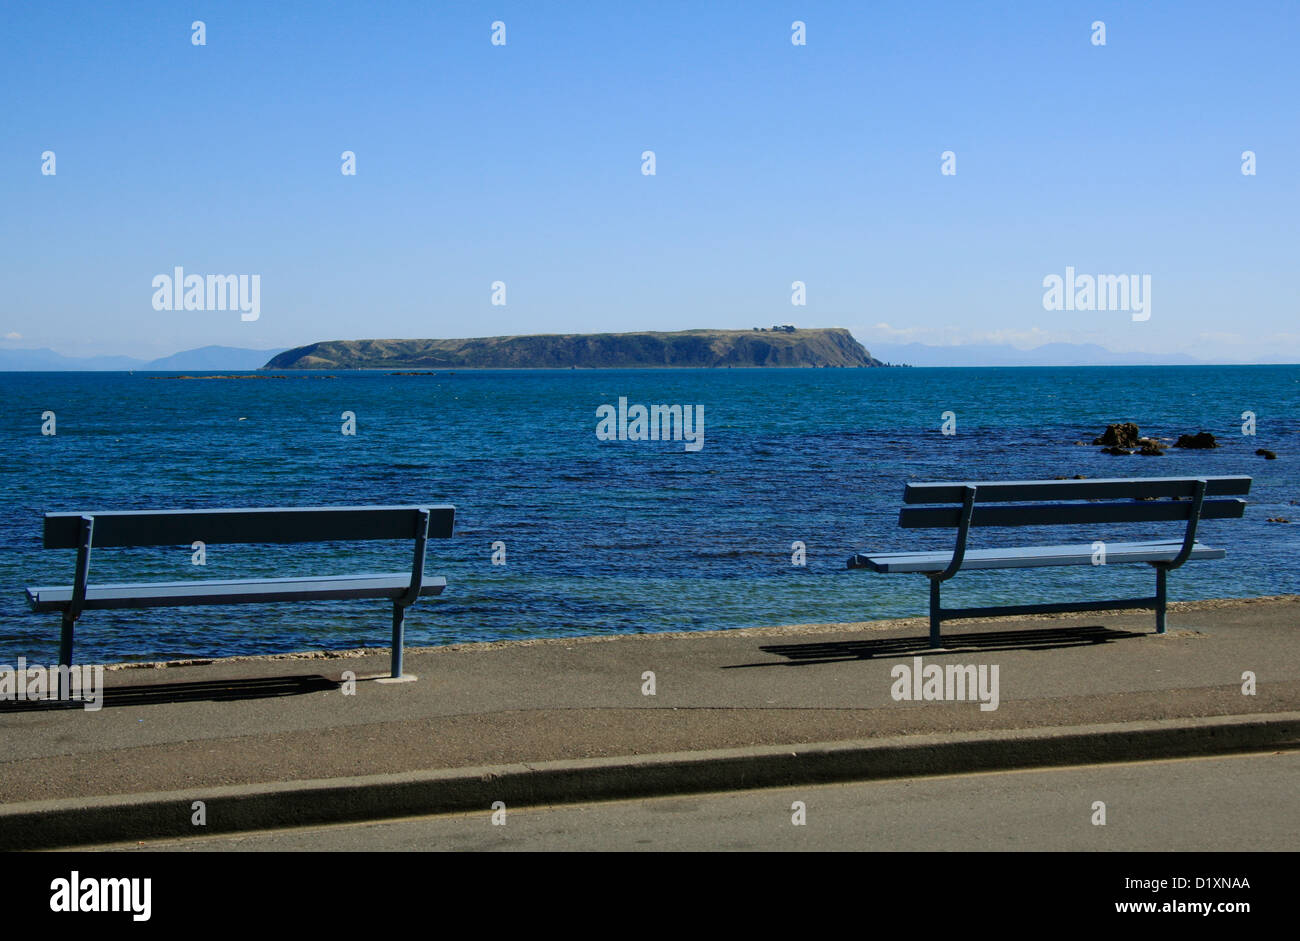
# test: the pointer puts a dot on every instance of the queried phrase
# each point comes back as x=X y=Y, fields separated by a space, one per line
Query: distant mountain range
x=203 y=359
x=775 y=346
x=1050 y=354
x=207 y=358
x=808 y=347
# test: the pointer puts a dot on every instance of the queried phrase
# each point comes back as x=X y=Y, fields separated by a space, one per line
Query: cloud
x=13 y=335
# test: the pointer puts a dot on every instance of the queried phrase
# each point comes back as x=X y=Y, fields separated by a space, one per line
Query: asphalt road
x=1243 y=802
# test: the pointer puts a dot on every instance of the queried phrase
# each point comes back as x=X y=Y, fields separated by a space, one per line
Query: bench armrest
x=963 y=531
x=417 y=565
x=78 y=600
x=1189 y=537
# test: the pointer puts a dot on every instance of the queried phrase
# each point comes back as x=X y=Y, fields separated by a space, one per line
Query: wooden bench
x=84 y=531
x=962 y=505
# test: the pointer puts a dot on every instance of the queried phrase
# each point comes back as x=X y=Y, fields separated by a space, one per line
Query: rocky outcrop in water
x=1125 y=438
x=1119 y=436
x=1202 y=439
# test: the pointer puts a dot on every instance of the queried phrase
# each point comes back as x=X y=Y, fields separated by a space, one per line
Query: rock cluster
x=1127 y=439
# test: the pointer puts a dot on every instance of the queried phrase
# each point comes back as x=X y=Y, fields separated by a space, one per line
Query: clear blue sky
x=775 y=163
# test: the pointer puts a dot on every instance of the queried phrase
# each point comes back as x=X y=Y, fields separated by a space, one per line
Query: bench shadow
x=206 y=691
x=833 y=652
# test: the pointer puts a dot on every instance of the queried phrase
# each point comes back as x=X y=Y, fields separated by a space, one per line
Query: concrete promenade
x=276 y=741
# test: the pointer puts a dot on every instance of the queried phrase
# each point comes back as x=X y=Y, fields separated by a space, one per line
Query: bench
x=1078 y=503
x=140 y=528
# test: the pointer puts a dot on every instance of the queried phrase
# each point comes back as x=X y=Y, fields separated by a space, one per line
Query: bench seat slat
x=1104 y=488
x=1078 y=514
x=135 y=528
x=235 y=591
x=1030 y=557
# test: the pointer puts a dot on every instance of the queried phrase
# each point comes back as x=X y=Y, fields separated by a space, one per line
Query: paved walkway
x=266 y=721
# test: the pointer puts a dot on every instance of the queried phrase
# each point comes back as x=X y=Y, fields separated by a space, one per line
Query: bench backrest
x=259 y=524
x=1113 y=500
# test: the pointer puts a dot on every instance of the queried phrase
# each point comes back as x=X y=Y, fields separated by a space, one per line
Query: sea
x=560 y=532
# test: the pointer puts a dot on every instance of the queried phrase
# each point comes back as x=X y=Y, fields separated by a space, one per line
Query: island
x=785 y=346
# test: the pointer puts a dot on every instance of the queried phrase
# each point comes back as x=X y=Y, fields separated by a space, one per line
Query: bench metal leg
x=399 y=625
x=65 y=651
x=1161 y=575
x=934 y=612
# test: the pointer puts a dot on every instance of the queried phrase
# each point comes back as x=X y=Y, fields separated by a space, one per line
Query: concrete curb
x=132 y=817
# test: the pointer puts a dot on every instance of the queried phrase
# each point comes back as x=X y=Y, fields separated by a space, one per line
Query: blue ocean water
x=610 y=536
